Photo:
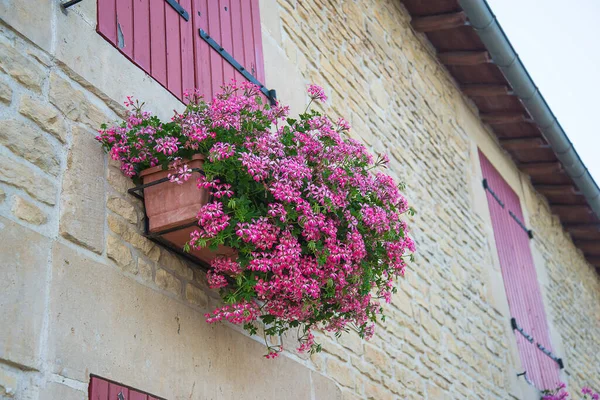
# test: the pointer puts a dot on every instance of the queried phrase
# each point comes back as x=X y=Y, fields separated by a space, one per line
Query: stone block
x=46 y=116
x=167 y=281
x=23 y=284
x=8 y=384
x=120 y=254
x=106 y=323
x=74 y=104
x=324 y=388
x=28 y=212
x=341 y=372
x=83 y=209
x=377 y=358
x=352 y=341
x=123 y=208
x=21 y=68
x=196 y=296
x=118 y=181
x=145 y=269
x=176 y=264
x=28 y=142
x=32 y=18
x=130 y=235
x=23 y=177
x=5 y=93
x=57 y=390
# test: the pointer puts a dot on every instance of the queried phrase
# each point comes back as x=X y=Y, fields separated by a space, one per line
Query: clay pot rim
x=158 y=168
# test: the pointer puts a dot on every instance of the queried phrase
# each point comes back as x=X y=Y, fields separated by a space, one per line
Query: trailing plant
x=560 y=393
x=316 y=226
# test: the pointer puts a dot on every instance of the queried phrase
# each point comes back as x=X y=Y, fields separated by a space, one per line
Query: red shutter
x=520 y=279
x=103 y=389
x=153 y=35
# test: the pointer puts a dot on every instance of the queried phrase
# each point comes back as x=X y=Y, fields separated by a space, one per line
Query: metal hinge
x=271 y=94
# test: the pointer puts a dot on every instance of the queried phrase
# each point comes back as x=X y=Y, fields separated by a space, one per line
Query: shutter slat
x=237 y=37
x=226 y=37
x=248 y=34
x=173 y=52
x=98 y=389
x=141 y=33
x=187 y=49
x=216 y=61
x=258 y=47
x=158 y=49
x=134 y=395
x=520 y=279
x=202 y=49
x=114 y=390
x=125 y=27
x=107 y=20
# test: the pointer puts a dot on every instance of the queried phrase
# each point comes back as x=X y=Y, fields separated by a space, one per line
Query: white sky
x=559 y=43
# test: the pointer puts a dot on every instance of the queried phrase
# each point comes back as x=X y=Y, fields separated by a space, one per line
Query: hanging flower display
x=313 y=226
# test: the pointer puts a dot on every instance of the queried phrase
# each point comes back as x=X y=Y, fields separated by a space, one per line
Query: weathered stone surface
x=145 y=269
x=23 y=284
x=35 y=25
x=2 y=196
x=47 y=117
x=118 y=181
x=34 y=183
x=28 y=212
x=167 y=281
x=28 y=142
x=127 y=232
x=196 y=296
x=120 y=254
x=324 y=388
x=56 y=390
x=20 y=67
x=122 y=208
x=5 y=93
x=343 y=373
x=8 y=384
x=83 y=206
x=176 y=264
x=74 y=104
x=128 y=317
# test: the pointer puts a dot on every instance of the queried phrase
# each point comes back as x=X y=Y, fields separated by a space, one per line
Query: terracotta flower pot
x=170 y=205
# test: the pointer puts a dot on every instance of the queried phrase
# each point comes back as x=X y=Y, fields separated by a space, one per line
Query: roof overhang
x=477 y=53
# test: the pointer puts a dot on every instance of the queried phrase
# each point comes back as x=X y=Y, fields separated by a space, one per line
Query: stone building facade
x=83 y=292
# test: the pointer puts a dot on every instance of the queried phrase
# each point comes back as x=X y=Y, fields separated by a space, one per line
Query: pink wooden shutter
x=520 y=279
x=103 y=389
x=235 y=25
x=153 y=35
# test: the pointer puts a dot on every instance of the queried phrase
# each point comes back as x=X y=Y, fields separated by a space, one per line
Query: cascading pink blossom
x=318 y=231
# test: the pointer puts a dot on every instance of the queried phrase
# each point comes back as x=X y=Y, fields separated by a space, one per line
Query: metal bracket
x=270 y=94
x=156 y=237
x=521 y=224
x=513 y=323
x=486 y=186
x=69 y=3
x=516 y=327
x=180 y=10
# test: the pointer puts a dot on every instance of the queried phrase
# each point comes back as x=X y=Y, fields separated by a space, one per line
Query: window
x=520 y=280
x=103 y=389
x=162 y=38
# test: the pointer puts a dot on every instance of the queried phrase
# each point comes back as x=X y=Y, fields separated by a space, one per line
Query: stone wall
x=84 y=292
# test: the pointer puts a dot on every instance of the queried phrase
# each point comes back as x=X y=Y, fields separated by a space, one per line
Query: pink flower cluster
x=317 y=231
x=560 y=393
